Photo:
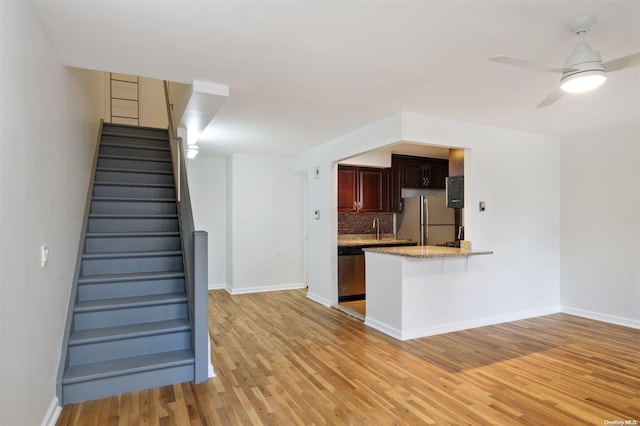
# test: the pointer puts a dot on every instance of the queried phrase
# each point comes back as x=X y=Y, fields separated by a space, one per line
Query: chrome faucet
x=376 y=224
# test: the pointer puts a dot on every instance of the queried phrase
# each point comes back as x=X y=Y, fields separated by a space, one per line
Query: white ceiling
x=301 y=73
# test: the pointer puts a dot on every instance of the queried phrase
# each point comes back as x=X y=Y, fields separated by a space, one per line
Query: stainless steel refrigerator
x=426 y=220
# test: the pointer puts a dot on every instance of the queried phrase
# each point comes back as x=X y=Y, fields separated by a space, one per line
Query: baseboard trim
x=383 y=328
x=53 y=413
x=266 y=288
x=598 y=316
x=458 y=325
x=216 y=286
x=319 y=299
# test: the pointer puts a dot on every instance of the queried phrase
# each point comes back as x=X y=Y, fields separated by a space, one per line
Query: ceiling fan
x=583 y=70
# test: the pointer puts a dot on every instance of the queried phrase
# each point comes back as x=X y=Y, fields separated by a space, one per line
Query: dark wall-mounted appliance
x=455 y=192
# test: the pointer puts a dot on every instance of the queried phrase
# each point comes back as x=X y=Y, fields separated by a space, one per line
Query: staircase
x=130 y=327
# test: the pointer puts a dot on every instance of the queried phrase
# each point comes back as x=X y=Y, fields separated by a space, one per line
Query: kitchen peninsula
x=420 y=291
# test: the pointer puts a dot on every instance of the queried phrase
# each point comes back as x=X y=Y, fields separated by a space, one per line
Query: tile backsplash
x=362 y=223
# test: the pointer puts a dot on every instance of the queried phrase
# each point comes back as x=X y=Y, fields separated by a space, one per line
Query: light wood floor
x=282 y=359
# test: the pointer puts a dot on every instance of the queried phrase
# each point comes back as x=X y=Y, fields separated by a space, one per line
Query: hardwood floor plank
x=283 y=359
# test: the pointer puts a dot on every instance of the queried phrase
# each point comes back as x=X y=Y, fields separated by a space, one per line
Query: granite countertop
x=426 y=251
x=366 y=240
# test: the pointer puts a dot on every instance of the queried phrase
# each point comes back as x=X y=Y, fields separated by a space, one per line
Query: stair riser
x=119 y=163
x=116 y=317
x=131 y=265
x=111 y=244
x=111 y=386
x=132 y=191
x=132 y=225
x=134 y=152
x=128 y=177
x=133 y=207
x=141 y=142
x=106 y=351
x=129 y=289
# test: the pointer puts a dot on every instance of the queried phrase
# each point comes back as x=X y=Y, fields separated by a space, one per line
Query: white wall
x=600 y=222
x=49 y=122
x=207 y=186
x=266 y=240
x=515 y=173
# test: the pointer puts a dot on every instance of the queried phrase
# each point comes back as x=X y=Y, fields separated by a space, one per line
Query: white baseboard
x=53 y=413
x=210 y=372
x=458 y=325
x=383 y=328
x=319 y=299
x=216 y=286
x=598 y=316
x=265 y=288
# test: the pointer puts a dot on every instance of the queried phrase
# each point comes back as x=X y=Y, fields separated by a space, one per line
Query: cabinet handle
x=400 y=206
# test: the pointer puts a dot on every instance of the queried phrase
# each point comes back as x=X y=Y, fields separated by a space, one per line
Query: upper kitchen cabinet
x=361 y=189
x=347 y=189
x=421 y=172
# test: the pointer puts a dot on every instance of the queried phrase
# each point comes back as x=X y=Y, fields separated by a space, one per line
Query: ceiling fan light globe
x=583 y=82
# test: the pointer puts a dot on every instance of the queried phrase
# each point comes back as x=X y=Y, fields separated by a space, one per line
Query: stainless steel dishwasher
x=351 y=273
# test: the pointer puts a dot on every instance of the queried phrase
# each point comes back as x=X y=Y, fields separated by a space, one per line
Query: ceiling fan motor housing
x=583 y=62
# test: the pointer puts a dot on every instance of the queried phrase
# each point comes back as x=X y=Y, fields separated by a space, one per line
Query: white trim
x=265 y=288
x=319 y=299
x=598 y=316
x=458 y=325
x=53 y=413
x=216 y=286
x=383 y=328
x=210 y=372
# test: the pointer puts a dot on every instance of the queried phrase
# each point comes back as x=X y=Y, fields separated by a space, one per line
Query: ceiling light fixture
x=582 y=82
x=192 y=151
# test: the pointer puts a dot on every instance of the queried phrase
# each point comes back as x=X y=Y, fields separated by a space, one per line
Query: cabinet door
x=347 y=189
x=370 y=190
x=394 y=198
x=412 y=174
x=437 y=173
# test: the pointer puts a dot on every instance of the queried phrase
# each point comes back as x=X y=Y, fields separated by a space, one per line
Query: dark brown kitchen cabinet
x=347 y=189
x=421 y=172
x=361 y=189
x=408 y=171
x=395 y=191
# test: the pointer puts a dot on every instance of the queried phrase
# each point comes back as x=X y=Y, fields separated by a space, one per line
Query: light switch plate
x=316 y=214
x=44 y=255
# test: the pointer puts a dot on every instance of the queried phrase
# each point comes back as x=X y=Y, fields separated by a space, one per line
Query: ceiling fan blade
x=525 y=63
x=622 y=63
x=553 y=96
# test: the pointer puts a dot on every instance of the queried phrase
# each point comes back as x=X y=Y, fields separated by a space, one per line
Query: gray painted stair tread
x=140 y=276
x=126 y=145
x=137 y=135
x=127 y=157
x=141 y=171
x=81 y=337
x=135 y=200
x=129 y=254
x=131 y=216
x=118 y=367
x=146 y=185
x=130 y=302
x=132 y=234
